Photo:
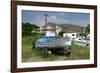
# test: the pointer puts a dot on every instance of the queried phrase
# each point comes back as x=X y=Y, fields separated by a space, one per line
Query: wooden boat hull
x=61 y=42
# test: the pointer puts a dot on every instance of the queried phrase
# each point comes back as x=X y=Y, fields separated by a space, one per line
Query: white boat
x=53 y=42
x=81 y=42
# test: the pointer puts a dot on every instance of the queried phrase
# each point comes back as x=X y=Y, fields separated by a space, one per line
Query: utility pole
x=84 y=29
x=84 y=32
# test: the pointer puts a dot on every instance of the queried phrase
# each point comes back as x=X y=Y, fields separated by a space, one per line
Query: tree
x=61 y=33
x=26 y=29
x=87 y=29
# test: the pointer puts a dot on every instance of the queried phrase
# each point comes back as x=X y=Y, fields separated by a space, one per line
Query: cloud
x=39 y=21
x=61 y=14
x=63 y=21
x=52 y=19
x=81 y=22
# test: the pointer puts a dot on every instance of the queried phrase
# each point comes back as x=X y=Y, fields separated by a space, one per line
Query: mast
x=45 y=19
x=45 y=15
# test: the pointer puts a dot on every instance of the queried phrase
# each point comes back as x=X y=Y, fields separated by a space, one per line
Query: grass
x=30 y=54
x=79 y=52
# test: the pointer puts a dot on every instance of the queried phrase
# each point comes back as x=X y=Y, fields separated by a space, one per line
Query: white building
x=53 y=31
x=58 y=29
x=88 y=36
x=41 y=29
x=72 y=35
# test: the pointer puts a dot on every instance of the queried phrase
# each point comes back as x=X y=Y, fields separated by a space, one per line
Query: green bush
x=61 y=33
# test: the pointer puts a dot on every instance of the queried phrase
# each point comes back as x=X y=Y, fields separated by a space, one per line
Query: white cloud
x=39 y=21
x=81 y=22
x=52 y=19
x=63 y=21
x=61 y=14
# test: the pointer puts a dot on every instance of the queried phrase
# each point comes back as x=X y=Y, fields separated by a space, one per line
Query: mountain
x=71 y=28
x=67 y=27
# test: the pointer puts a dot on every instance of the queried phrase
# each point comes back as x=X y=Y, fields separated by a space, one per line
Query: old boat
x=81 y=42
x=61 y=44
x=51 y=41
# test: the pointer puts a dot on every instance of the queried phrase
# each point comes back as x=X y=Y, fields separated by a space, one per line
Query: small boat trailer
x=54 y=44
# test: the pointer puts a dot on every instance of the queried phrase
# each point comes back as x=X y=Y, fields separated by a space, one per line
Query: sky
x=37 y=17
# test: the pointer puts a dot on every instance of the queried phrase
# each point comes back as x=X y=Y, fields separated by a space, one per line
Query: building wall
x=71 y=35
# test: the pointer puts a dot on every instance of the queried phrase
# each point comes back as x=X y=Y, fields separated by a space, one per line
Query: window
x=73 y=34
